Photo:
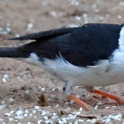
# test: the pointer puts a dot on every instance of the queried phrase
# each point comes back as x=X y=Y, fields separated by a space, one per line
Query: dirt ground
x=22 y=83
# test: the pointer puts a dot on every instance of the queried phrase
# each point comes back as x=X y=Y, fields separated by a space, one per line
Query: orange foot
x=116 y=98
x=87 y=107
x=79 y=102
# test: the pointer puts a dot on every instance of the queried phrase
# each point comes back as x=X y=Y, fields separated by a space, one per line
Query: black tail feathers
x=12 y=52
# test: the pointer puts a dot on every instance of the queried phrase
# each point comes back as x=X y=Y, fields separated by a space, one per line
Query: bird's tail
x=11 y=52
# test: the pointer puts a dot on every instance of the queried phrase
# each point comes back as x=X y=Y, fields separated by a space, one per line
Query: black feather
x=80 y=46
x=45 y=34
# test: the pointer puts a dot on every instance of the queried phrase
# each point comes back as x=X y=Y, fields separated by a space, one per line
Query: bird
x=89 y=55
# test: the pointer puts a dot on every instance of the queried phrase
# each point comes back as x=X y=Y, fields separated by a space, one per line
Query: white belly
x=105 y=73
x=102 y=74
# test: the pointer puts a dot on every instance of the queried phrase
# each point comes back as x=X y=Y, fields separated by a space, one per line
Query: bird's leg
x=68 y=90
x=114 y=97
x=102 y=93
x=79 y=102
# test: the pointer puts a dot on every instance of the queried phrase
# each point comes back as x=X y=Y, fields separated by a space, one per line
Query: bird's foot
x=114 y=97
x=80 y=102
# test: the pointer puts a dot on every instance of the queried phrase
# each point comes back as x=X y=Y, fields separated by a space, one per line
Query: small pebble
x=30 y=25
x=64 y=120
x=114 y=106
x=80 y=109
x=77 y=113
x=29 y=123
x=57 y=106
x=11 y=101
x=77 y=17
x=7 y=114
x=107 y=107
x=66 y=103
x=17 y=35
x=80 y=120
x=20 y=108
x=25 y=87
x=27 y=96
x=42 y=89
x=39 y=122
x=52 y=96
x=5 y=76
x=35 y=116
x=43 y=112
x=11 y=119
x=13 y=89
x=3 y=102
x=11 y=112
x=33 y=111
x=4 y=80
x=54 y=114
x=76 y=122
x=37 y=107
x=26 y=111
x=96 y=107
x=45 y=117
x=30 y=115
x=72 y=102
x=25 y=115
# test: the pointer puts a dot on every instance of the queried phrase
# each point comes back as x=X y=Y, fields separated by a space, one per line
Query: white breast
x=104 y=73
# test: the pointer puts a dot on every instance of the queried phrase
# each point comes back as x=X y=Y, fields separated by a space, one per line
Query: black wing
x=82 y=46
x=45 y=34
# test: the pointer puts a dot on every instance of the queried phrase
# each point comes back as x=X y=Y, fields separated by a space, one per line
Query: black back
x=82 y=46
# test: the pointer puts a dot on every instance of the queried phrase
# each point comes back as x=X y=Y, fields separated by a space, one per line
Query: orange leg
x=79 y=102
x=116 y=98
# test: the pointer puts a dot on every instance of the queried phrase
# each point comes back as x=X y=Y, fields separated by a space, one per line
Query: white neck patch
x=121 y=39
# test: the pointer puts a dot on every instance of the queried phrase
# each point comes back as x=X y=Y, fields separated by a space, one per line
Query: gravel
x=21 y=87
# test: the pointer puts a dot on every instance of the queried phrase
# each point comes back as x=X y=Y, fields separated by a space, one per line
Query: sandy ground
x=22 y=83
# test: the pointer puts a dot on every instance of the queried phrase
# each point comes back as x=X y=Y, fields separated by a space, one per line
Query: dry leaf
x=42 y=101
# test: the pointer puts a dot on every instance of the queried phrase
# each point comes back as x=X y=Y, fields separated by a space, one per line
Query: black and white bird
x=90 y=55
